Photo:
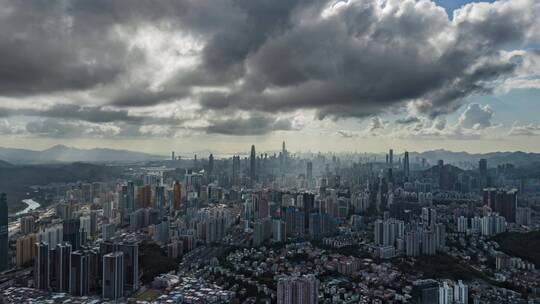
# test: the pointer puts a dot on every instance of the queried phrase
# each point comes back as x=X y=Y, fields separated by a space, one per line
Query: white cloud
x=525 y=130
x=7 y=128
x=476 y=117
x=66 y=128
x=375 y=123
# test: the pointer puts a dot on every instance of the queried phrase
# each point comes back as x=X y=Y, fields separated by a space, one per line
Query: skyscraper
x=25 y=249
x=71 y=232
x=298 y=290
x=159 y=197
x=144 y=197
x=378 y=231
x=113 y=276
x=62 y=264
x=130 y=202
x=79 y=274
x=131 y=265
x=27 y=224
x=502 y=201
x=3 y=232
x=123 y=205
x=177 y=195
x=429 y=242
x=309 y=172
x=210 y=164
x=41 y=266
x=252 y=166
x=391 y=157
x=425 y=292
x=278 y=230
x=482 y=173
x=235 y=169
x=412 y=243
x=406 y=166
x=461 y=293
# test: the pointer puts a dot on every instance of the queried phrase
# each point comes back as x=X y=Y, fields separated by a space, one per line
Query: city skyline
x=412 y=75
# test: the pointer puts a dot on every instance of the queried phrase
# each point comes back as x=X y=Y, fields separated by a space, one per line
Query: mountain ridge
x=65 y=154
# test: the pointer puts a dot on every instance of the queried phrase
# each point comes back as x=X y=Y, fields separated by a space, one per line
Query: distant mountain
x=5 y=164
x=517 y=158
x=16 y=180
x=27 y=175
x=61 y=153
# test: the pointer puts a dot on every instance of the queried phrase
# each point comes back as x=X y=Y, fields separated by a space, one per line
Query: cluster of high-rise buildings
x=110 y=269
x=400 y=206
x=430 y=291
x=298 y=290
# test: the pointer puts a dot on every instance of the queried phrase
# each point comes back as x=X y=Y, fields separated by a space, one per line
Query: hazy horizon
x=245 y=152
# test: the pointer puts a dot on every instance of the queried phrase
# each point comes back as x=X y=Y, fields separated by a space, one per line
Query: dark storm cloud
x=45 y=47
x=341 y=59
x=361 y=61
x=93 y=114
x=254 y=125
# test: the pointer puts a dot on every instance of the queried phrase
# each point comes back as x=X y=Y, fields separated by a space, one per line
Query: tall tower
x=113 y=275
x=406 y=168
x=177 y=195
x=159 y=197
x=62 y=264
x=131 y=264
x=210 y=164
x=252 y=165
x=391 y=157
x=309 y=171
x=283 y=158
x=130 y=200
x=41 y=266
x=71 y=232
x=79 y=274
x=482 y=172
x=235 y=169
x=3 y=232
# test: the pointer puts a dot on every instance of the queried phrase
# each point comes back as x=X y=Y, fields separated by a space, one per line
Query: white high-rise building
x=107 y=231
x=446 y=294
x=378 y=230
x=298 y=290
x=493 y=225
x=461 y=293
x=51 y=235
x=412 y=243
x=462 y=224
x=429 y=242
x=113 y=276
x=86 y=224
x=386 y=232
x=523 y=216
x=476 y=224
x=278 y=230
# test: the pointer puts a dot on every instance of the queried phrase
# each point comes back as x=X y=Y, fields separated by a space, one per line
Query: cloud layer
x=247 y=67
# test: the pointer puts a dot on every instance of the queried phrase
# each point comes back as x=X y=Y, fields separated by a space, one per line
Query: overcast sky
x=218 y=75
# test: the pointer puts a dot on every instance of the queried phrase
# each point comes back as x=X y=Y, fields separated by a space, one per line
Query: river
x=31 y=205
